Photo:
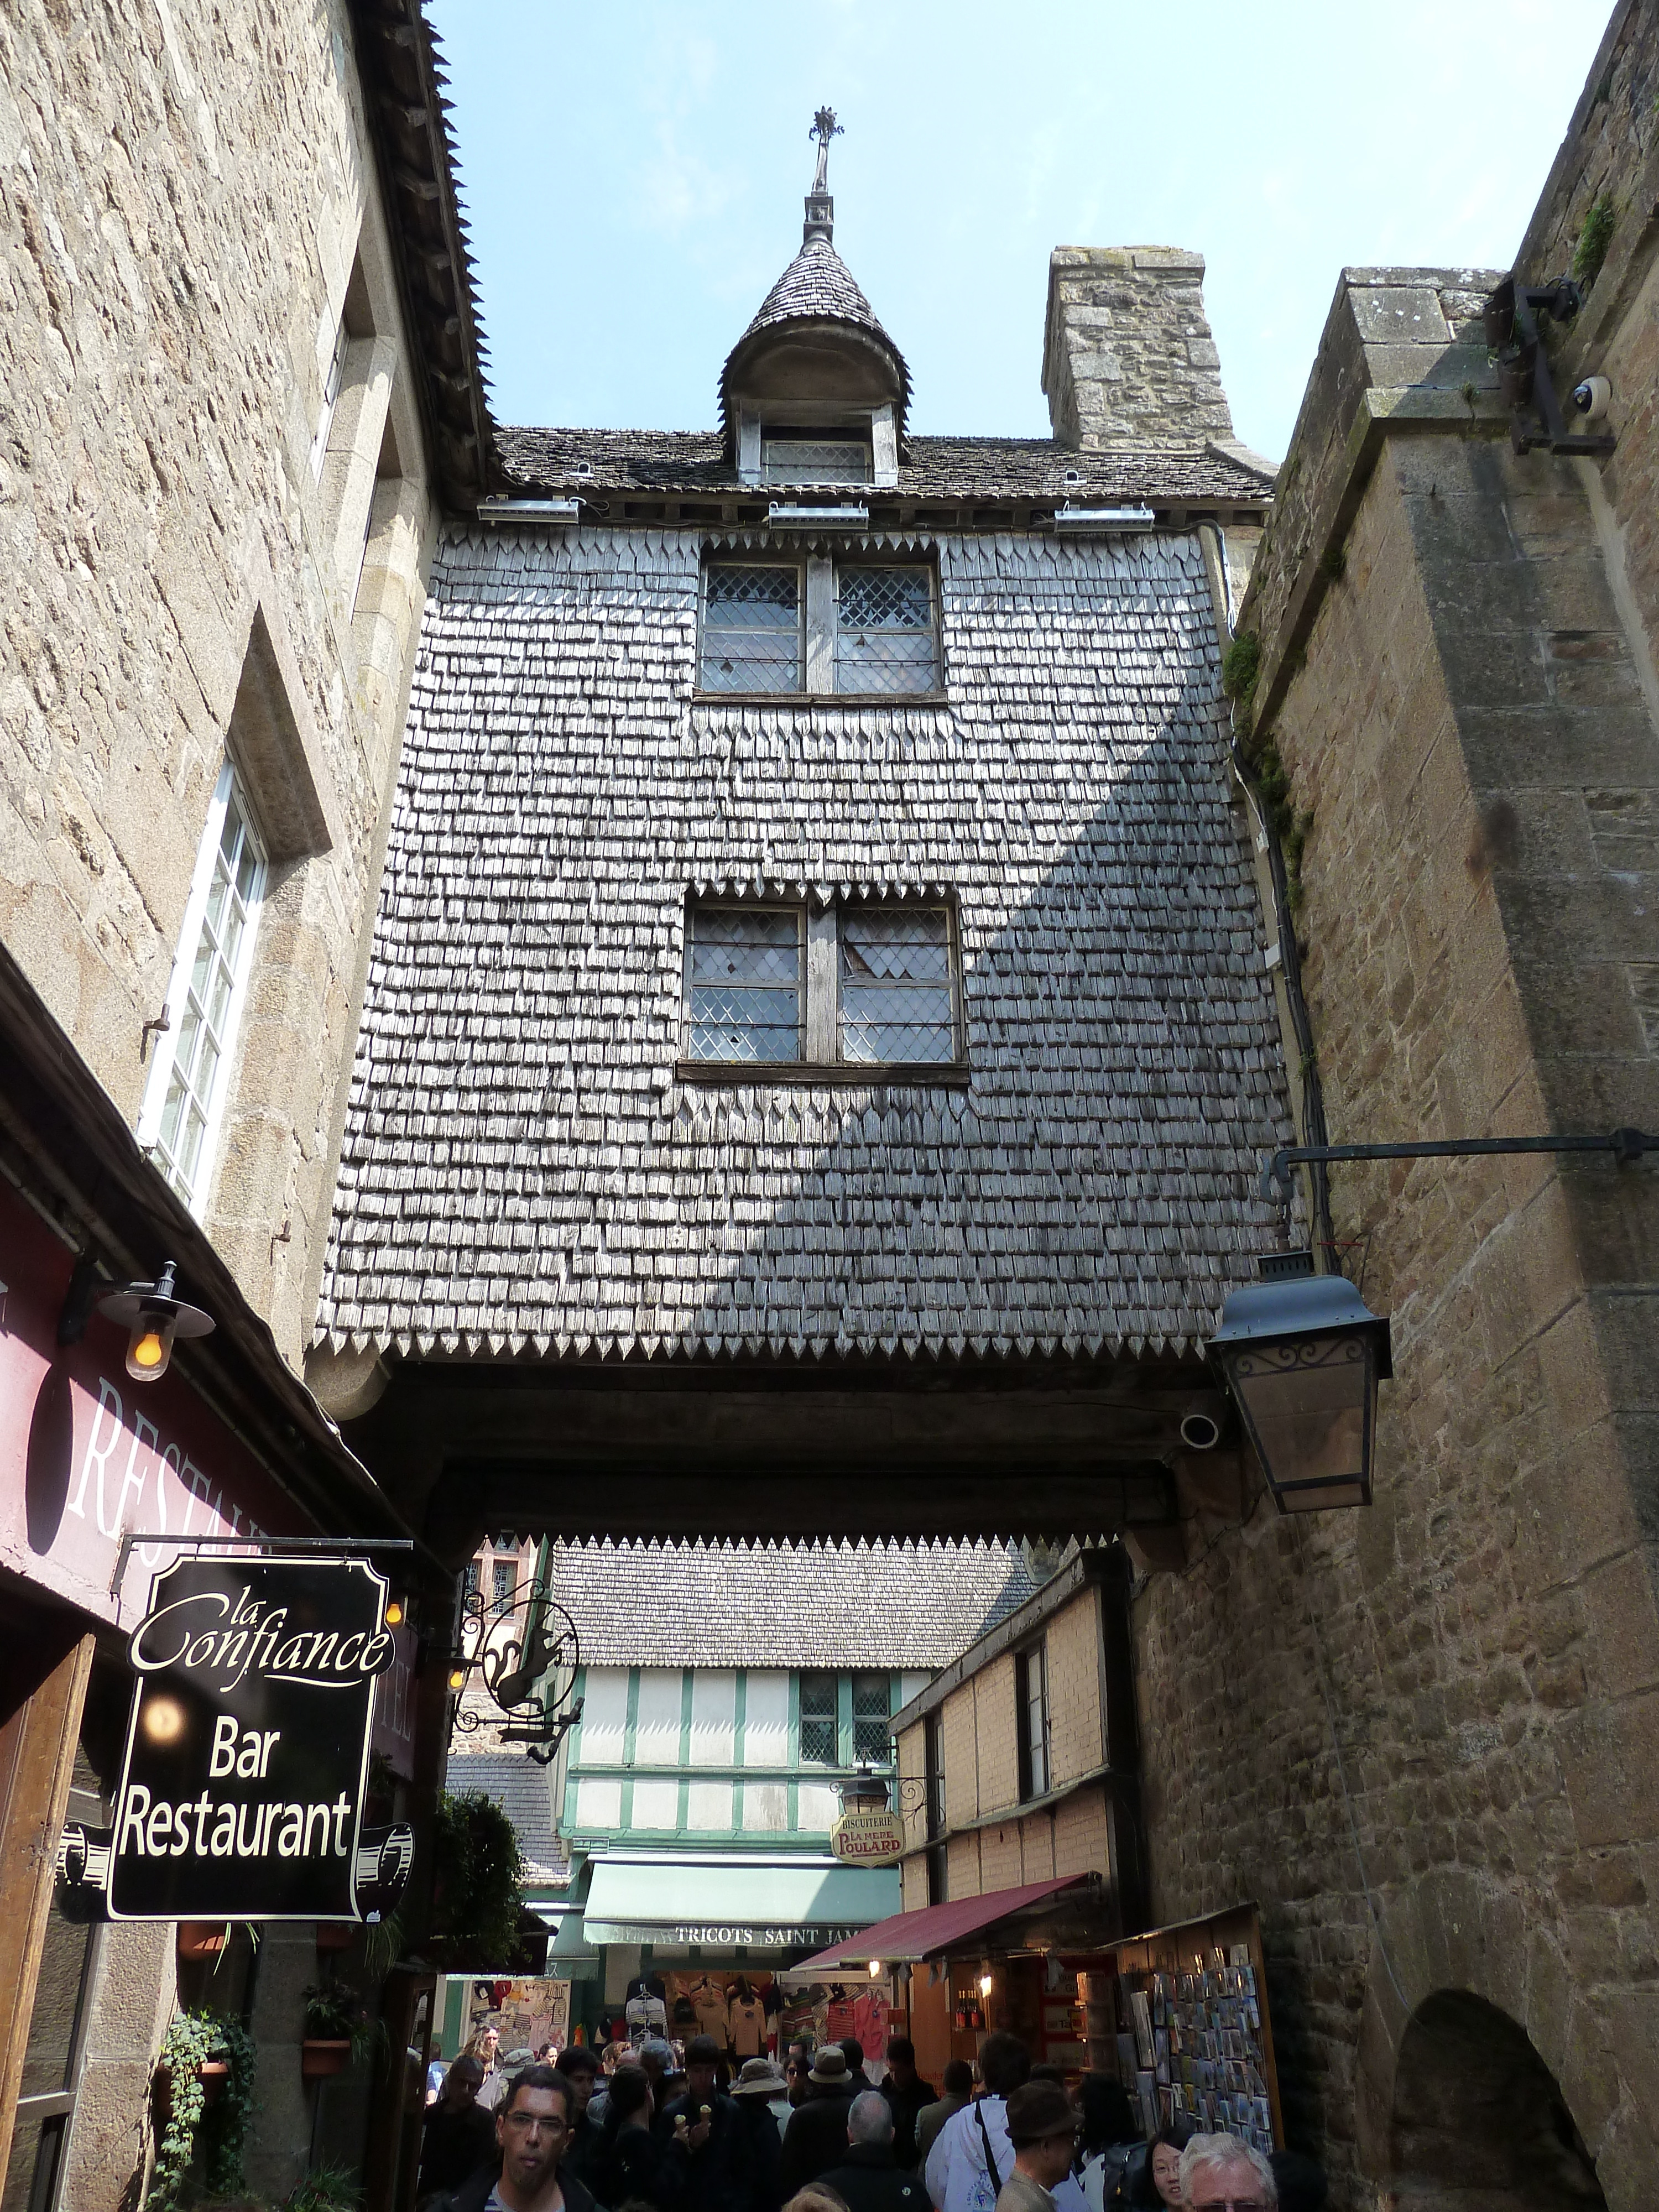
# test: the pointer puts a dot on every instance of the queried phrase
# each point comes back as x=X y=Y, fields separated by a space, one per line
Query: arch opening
x=1479 y=2123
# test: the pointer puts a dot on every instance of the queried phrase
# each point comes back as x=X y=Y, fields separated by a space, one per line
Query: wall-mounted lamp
x=154 y=1318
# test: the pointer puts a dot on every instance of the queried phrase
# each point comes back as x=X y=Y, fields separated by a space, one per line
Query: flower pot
x=336 y=1934
x=202 y=1939
x=213 y=2074
x=321 y=2056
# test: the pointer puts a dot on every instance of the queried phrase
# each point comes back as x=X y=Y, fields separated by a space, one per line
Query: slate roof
x=895 y=1606
x=520 y=1786
x=689 y=462
x=522 y=1172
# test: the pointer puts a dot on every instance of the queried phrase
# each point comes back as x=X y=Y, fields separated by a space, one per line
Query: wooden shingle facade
x=822 y=1293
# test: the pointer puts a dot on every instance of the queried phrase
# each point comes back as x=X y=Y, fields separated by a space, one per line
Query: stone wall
x=186 y=210
x=1127 y=358
x=1425 y=1736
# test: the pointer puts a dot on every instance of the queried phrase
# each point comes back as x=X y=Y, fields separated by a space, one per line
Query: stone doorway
x=1480 y=2123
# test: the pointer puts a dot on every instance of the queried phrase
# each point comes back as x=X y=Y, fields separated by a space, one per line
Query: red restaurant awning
x=937 y=1929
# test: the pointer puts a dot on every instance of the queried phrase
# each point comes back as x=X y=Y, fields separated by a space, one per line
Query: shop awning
x=725 y=1900
x=937 y=1931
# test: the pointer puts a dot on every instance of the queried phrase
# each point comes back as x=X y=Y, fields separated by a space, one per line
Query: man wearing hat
x=816 y=2138
x=758 y=2091
x=1042 y=2128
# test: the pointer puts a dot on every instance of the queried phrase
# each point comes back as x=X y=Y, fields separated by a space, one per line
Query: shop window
x=873 y=1734
x=1031 y=1689
x=185 y=1099
x=818 y=1744
x=853 y=984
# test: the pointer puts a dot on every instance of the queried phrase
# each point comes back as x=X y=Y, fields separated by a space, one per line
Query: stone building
x=239 y=381
x=1425 y=1736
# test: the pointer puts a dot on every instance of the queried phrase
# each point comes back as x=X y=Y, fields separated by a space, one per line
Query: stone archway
x=1478 y=2120
x=1476 y=2036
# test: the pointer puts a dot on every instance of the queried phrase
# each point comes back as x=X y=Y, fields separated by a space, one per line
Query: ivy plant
x=216 y=2132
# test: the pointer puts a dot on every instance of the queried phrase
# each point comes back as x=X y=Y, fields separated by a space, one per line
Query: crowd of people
x=632 y=2130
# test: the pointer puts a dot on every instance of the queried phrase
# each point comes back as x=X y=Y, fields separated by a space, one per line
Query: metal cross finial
x=824 y=128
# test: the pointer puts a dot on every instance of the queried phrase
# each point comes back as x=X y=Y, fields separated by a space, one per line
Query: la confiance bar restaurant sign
x=246 y=1759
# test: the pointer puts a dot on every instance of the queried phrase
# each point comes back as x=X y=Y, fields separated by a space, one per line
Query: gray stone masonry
x=1128 y=357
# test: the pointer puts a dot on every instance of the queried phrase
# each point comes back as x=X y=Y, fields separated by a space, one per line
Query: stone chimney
x=1128 y=359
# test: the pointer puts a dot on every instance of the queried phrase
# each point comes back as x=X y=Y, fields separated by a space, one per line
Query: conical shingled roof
x=818 y=282
x=817 y=286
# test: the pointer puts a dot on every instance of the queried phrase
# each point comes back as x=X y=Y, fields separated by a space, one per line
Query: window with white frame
x=333 y=377
x=815 y=624
x=184 y=1097
x=855 y=984
x=1031 y=1691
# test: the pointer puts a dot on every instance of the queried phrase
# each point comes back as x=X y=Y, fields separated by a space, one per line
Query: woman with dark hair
x=632 y=2162
x=1153 y=2185
x=1107 y=2139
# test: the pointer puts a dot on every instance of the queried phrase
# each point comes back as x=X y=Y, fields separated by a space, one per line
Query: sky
x=633 y=172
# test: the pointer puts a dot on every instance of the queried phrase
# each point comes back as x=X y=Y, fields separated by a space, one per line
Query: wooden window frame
x=817 y=600
x=821 y=1061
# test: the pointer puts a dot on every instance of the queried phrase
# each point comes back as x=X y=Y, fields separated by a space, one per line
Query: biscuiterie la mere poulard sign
x=246 y=1759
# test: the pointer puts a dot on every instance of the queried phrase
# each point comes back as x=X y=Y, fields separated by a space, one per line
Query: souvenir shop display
x=527 y=2013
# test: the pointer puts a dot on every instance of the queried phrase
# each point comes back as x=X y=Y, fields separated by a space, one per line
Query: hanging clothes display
x=712 y=2004
x=746 y=2021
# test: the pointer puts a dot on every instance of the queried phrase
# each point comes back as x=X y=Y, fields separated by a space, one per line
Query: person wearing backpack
x=972 y=2156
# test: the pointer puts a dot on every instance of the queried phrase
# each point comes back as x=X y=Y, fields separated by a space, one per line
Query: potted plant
x=205 y=2061
x=336 y=1934
x=202 y=1939
x=334 y=2022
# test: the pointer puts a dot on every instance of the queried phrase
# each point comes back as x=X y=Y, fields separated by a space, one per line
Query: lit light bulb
x=985 y=1985
x=875 y=1970
x=457 y=1678
x=149 y=1347
x=394 y=1613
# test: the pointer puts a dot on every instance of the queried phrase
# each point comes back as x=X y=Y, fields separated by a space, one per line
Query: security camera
x=1591 y=398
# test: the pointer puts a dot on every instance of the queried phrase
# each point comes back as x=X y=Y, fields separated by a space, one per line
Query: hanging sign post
x=242 y=1785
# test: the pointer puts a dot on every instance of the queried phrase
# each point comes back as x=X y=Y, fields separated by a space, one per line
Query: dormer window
x=799 y=458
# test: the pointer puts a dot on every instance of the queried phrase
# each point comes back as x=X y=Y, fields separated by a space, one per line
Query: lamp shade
x=1302 y=1355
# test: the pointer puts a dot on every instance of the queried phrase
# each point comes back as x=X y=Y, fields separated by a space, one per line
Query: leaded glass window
x=818 y=1745
x=896 y=995
x=744 y=974
x=815 y=461
x=204 y=999
x=503 y=1575
x=872 y=1733
x=885 y=632
x=750 y=628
